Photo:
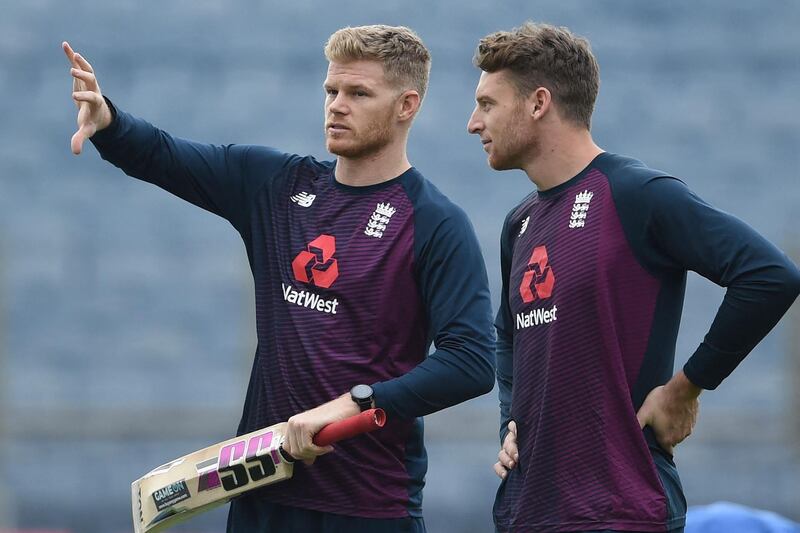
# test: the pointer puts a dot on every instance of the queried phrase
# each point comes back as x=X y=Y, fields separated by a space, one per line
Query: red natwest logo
x=316 y=265
x=538 y=280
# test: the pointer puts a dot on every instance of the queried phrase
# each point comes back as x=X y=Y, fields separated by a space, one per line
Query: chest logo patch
x=379 y=220
x=524 y=226
x=316 y=265
x=539 y=279
x=303 y=199
x=580 y=209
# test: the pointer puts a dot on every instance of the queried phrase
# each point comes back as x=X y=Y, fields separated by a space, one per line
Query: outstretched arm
x=220 y=179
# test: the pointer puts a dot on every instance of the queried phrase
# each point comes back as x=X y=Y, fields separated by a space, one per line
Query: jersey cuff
x=382 y=393
x=110 y=132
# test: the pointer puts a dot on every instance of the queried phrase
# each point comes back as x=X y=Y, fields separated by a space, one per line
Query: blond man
x=359 y=264
x=594 y=266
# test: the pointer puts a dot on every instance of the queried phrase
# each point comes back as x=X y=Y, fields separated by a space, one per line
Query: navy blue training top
x=352 y=285
x=594 y=273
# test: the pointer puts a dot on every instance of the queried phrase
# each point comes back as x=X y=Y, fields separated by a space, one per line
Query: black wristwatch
x=362 y=395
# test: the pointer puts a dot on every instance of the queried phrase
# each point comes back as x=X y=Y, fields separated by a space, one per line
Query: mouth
x=486 y=143
x=335 y=127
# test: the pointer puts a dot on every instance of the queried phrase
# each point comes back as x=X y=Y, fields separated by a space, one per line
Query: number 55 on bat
x=197 y=482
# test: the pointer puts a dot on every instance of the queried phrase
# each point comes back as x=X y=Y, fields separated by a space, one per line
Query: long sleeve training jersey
x=594 y=274
x=352 y=285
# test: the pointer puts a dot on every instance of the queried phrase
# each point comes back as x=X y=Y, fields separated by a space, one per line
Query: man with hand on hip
x=594 y=265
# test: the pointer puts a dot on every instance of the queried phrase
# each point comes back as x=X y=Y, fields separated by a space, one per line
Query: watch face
x=361 y=392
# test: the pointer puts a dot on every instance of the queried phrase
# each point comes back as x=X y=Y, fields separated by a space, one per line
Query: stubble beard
x=517 y=146
x=377 y=136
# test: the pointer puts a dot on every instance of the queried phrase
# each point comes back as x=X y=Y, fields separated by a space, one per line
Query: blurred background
x=126 y=316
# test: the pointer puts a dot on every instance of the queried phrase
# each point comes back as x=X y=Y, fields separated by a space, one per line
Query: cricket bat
x=210 y=477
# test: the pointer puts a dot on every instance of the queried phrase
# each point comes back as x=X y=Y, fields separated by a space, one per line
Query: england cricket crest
x=379 y=220
x=580 y=209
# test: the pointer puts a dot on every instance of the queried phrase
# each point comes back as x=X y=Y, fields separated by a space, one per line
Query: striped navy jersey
x=594 y=274
x=352 y=285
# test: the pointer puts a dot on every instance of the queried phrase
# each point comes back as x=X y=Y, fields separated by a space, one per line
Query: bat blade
x=207 y=478
x=197 y=482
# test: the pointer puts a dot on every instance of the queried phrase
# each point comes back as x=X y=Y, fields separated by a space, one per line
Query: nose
x=338 y=105
x=474 y=124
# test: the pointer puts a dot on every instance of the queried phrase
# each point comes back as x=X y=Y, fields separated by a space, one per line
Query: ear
x=539 y=103
x=407 y=105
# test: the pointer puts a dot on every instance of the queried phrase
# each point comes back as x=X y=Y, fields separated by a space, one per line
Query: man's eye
x=331 y=92
x=361 y=93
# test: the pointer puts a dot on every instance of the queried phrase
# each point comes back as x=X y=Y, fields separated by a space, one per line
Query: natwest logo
x=538 y=280
x=316 y=264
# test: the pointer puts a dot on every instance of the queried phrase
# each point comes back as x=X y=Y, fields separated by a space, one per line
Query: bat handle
x=364 y=422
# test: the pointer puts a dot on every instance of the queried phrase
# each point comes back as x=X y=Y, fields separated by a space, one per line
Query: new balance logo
x=379 y=220
x=303 y=199
x=524 y=226
x=580 y=209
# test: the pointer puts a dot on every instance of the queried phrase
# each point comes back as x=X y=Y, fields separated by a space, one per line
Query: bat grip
x=367 y=421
